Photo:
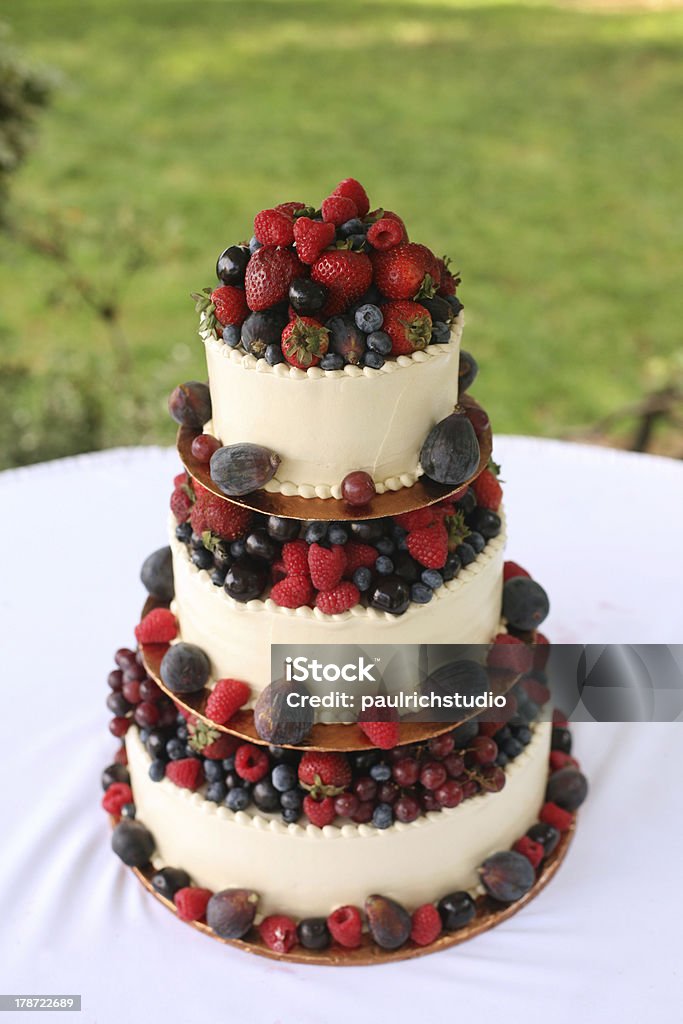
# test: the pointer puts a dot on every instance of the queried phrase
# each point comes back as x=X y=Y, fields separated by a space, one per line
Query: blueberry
x=441 y=333
x=467 y=503
x=369 y=318
x=421 y=594
x=315 y=532
x=265 y=796
x=232 y=335
x=292 y=800
x=523 y=735
x=133 y=843
x=525 y=603
x=379 y=341
x=218 y=577
x=202 y=558
x=237 y=548
x=183 y=532
x=382 y=816
x=485 y=521
x=384 y=565
x=337 y=534
x=398 y=533
x=175 y=749
x=369 y=531
x=114 y=773
x=144 y=735
x=466 y=553
x=476 y=541
x=216 y=792
x=237 y=799
x=254 y=244
x=385 y=546
x=157 y=575
x=362 y=578
x=507 y=876
x=432 y=578
x=373 y=360
x=273 y=355
x=157 y=770
x=290 y=815
x=513 y=748
x=501 y=759
x=380 y=772
x=228 y=764
x=196 y=542
x=332 y=361
x=167 y=881
x=358 y=242
x=355 y=226
x=156 y=744
x=452 y=567
x=313 y=933
x=283 y=777
x=456 y=910
x=213 y=770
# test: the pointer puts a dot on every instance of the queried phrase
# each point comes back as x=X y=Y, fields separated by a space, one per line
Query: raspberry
x=339 y=599
x=558 y=759
x=426 y=925
x=274 y=227
x=293 y=592
x=278 y=932
x=384 y=735
x=541 y=651
x=326 y=774
x=295 y=557
x=121 y=756
x=385 y=233
x=535 y=690
x=191 y=903
x=251 y=762
x=219 y=516
x=312 y=237
x=338 y=209
x=530 y=849
x=551 y=814
x=353 y=189
x=319 y=812
x=359 y=555
x=290 y=207
x=118 y=794
x=158 y=627
x=186 y=773
x=429 y=545
x=511 y=569
x=417 y=519
x=510 y=653
x=181 y=504
x=180 y=479
x=227 y=697
x=326 y=565
x=346 y=926
x=488 y=491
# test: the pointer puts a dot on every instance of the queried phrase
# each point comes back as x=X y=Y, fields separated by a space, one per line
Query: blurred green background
x=539 y=145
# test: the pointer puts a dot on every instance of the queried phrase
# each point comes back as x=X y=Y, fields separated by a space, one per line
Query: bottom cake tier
x=304 y=871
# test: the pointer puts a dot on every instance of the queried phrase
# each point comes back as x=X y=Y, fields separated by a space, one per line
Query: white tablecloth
x=598 y=528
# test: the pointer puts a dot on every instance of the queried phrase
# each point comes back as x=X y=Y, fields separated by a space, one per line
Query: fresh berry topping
x=182 y=501
x=132 y=843
x=203 y=446
x=251 y=762
x=278 y=932
x=167 y=881
x=510 y=653
x=346 y=926
x=270 y=272
x=359 y=556
x=226 y=698
x=358 y=488
x=117 y=796
x=319 y=812
x=274 y=227
x=312 y=238
x=488 y=491
x=507 y=876
x=295 y=557
x=385 y=233
x=306 y=297
x=384 y=735
x=293 y=591
x=429 y=545
x=217 y=748
x=187 y=772
x=525 y=603
x=558 y=760
x=219 y=517
x=567 y=788
x=304 y=342
x=326 y=565
x=409 y=326
x=346 y=340
x=547 y=835
x=340 y=598
x=551 y=814
x=401 y=271
x=535 y=690
x=353 y=190
x=346 y=274
x=511 y=569
x=533 y=851
x=541 y=651
x=191 y=903
x=425 y=925
x=456 y=910
x=230 y=305
x=416 y=520
x=158 y=627
x=324 y=773
x=338 y=209
x=391 y=594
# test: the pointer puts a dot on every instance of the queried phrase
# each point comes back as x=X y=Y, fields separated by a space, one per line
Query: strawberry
x=487 y=489
x=158 y=627
x=429 y=545
x=551 y=814
x=449 y=281
x=274 y=227
x=338 y=599
x=295 y=557
x=346 y=926
x=530 y=849
x=426 y=925
x=117 y=795
x=359 y=555
x=417 y=519
x=251 y=762
x=326 y=565
x=220 y=748
x=409 y=326
x=385 y=233
x=324 y=774
x=319 y=812
x=121 y=756
x=384 y=735
x=186 y=773
x=231 y=305
x=312 y=237
x=353 y=189
x=399 y=273
x=431 y=267
x=181 y=503
x=293 y=591
x=180 y=479
x=338 y=209
x=278 y=932
x=304 y=342
x=510 y=653
x=227 y=697
x=346 y=274
x=270 y=271
x=511 y=569
x=218 y=516
x=191 y=902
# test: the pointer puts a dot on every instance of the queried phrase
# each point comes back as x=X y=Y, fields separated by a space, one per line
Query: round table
x=598 y=528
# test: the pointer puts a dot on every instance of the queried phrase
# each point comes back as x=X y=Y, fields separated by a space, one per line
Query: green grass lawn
x=539 y=147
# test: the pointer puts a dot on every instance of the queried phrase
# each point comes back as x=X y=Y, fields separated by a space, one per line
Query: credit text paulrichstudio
x=401 y=701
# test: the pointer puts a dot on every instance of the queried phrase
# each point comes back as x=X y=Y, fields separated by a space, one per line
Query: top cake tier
x=325 y=424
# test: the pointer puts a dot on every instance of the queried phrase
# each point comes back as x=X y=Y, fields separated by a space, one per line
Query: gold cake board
x=489 y=915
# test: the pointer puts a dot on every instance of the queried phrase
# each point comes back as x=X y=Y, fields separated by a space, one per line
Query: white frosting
x=237 y=637
x=325 y=424
x=306 y=871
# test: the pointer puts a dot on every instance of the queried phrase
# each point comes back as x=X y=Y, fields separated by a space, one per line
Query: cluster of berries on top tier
x=329 y=287
x=385 y=564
